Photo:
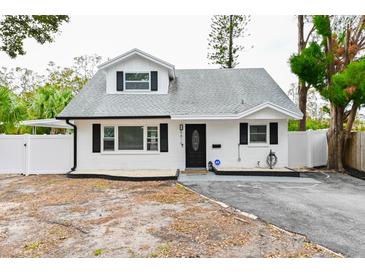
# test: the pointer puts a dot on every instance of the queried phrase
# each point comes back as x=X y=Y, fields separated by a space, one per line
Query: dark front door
x=195 y=146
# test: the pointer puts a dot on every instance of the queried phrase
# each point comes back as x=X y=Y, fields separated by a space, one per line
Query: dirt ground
x=53 y=216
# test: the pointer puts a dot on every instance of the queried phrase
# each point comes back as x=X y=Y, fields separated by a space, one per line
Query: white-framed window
x=108 y=138
x=152 y=138
x=258 y=134
x=137 y=81
x=130 y=138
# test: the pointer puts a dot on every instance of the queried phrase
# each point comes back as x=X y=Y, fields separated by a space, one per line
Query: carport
x=52 y=123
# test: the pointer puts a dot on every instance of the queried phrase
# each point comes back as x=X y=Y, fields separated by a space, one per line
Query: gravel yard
x=53 y=216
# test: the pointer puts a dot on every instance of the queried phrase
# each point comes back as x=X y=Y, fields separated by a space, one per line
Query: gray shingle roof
x=193 y=92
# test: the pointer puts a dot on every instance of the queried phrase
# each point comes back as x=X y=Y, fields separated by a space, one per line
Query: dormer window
x=137 y=81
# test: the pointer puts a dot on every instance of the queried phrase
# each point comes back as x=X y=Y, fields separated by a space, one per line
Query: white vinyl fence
x=36 y=154
x=46 y=154
x=307 y=148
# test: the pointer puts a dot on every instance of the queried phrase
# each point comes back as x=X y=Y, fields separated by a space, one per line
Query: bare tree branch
x=308 y=36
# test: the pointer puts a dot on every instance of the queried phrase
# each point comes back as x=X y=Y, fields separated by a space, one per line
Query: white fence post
x=27 y=147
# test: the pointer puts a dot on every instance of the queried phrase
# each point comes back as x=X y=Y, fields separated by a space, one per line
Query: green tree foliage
x=312 y=124
x=48 y=101
x=223 y=46
x=76 y=76
x=14 y=29
x=12 y=110
x=348 y=85
x=65 y=78
x=322 y=25
x=310 y=65
x=27 y=95
x=336 y=68
x=306 y=35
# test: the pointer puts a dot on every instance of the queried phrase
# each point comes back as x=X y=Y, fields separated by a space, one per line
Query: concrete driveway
x=327 y=207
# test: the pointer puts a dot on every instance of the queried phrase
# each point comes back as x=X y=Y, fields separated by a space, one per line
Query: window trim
x=116 y=140
x=158 y=138
x=258 y=143
x=136 y=90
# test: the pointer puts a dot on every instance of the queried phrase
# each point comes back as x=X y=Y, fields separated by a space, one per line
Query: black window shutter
x=154 y=81
x=96 y=138
x=274 y=133
x=164 y=139
x=243 y=133
x=120 y=80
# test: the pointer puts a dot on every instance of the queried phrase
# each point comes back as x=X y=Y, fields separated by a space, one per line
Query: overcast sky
x=180 y=40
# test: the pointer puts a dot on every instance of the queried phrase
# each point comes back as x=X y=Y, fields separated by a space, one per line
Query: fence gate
x=12 y=154
x=36 y=154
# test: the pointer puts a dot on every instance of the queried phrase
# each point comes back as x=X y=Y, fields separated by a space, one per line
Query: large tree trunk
x=336 y=139
x=303 y=91
x=333 y=131
x=350 y=123
x=302 y=88
x=340 y=139
x=331 y=139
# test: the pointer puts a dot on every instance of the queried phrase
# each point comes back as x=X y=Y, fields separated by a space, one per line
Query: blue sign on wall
x=217 y=162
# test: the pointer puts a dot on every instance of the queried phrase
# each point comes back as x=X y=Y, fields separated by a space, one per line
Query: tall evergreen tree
x=223 y=46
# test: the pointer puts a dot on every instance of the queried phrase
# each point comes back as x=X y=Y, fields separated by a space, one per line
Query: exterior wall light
x=181 y=127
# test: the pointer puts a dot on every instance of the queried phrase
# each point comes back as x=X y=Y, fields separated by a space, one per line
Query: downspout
x=75 y=144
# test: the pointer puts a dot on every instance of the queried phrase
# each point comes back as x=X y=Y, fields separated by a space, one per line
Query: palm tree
x=49 y=101
x=12 y=110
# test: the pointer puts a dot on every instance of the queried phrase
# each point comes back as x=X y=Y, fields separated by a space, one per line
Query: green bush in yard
x=312 y=124
x=98 y=252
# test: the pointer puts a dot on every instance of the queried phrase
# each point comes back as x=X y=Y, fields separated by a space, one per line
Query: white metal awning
x=53 y=123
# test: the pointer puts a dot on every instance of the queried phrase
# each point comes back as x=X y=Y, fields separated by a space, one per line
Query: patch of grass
x=98 y=252
x=101 y=185
x=171 y=195
x=162 y=251
x=184 y=226
x=32 y=246
x=59 y=232
x=181 y=187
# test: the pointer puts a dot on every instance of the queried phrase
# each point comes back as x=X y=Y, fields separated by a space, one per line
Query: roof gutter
x=112 y=117
x=75 y=144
